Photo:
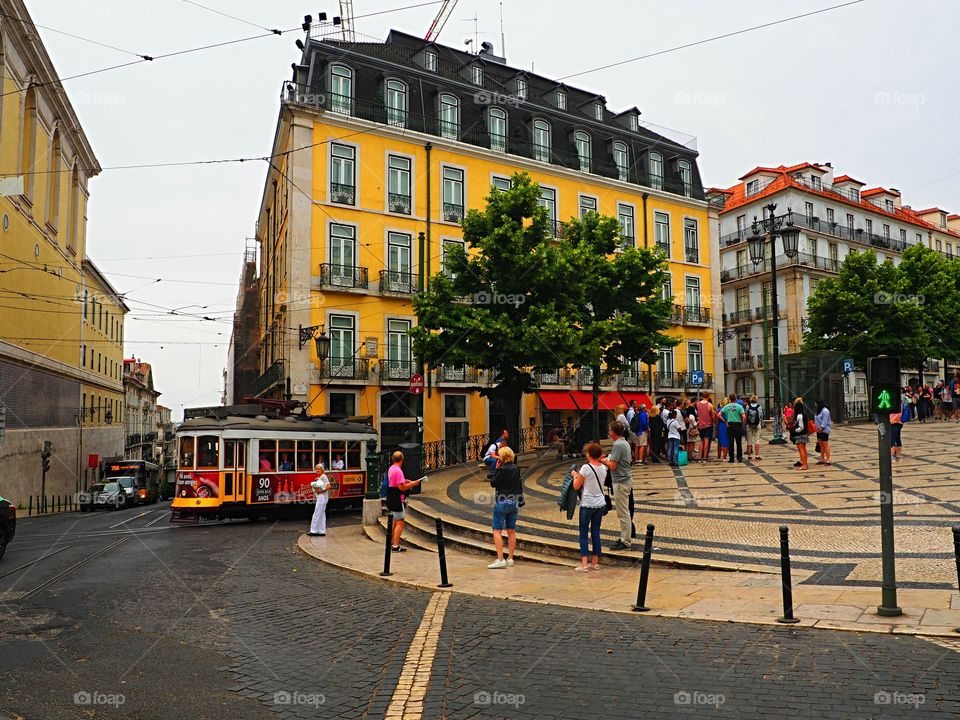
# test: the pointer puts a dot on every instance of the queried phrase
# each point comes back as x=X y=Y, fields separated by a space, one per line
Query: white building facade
x=836 y=215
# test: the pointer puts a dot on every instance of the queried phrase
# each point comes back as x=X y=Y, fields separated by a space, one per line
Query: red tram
x=236 y=462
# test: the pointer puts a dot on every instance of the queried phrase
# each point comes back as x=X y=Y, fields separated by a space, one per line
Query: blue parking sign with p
x=847 y=366
x=696 y=377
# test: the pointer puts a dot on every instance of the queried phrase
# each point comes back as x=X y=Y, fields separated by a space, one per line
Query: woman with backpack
x=593 y=505
x=824 y=426
x=800 y=431
x=753 y=419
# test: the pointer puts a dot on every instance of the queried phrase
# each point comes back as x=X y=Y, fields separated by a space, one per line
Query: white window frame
x=396 y=116
x=691 y=224
x=686 y=177
x=476 y=75
x=338 y=175
x=447 y=102
x=521 y=84
x=690 y=282
x=632 y=215
x=341 y=102
x=353 y=252
x=542 y=152
x=500 y=144
x=584 y=208
x=655 y=162
x=444 y=242
x=620 y=151
x=584 y=144
x=410 y=179
x=549 y=203
x=561 y=100
x=598 y=111
x=430 y=60
x=495 y=178
x=463 y=186
x=694 y=349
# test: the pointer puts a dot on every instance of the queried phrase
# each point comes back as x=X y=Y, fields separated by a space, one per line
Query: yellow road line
x=407 y=700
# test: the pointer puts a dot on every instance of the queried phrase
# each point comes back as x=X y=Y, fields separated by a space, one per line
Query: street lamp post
x=770 y=228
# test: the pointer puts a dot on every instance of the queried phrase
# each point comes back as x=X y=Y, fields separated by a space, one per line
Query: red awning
x=606 y=401
x=639 y=398
x=557 y=400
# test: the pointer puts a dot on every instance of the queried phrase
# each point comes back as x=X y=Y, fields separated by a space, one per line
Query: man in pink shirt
x=705 y=419
x=397 y=486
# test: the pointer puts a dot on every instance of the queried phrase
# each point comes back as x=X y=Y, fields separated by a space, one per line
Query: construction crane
x=346 y=20
x=440 y=20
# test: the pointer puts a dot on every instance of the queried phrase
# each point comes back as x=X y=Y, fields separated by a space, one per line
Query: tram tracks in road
x=67 y=571
x=34 y=562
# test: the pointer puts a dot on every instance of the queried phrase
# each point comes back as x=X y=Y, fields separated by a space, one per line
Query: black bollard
x=387 y=550
x=956 y=554
x=30 y=505
x=444 y=581
x=785 y=577
x=644 y=571
x=59 y=503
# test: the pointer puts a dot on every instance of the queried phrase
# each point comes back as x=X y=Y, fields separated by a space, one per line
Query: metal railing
x=856 y=409
x=558 y=228
x=824 y=227
x=345 y=369
x=560 y=376
x=134 y=439
x=737 y=316
x=634 y=379
x=349 y=276
x=691 y=254
x=399 y=203
x=747 y=362
x=664 y=247
x=800 y=259
x=478 y=135
x=272 y=376
x=396 y=370
x=471 y=448
x=452 y=212
x=458 y=374
x=343 y=194
x=694 y=314
x=628 y=241
x=395 y=281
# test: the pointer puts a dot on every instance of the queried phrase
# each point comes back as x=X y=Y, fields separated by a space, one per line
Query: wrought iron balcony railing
x=691 y=254
x=273 y=375
x=458 y=374
x=452 y=212
x=695 y=314
x=343 y=194
x=560 y=376
x=396 y=370
x=664 y=247
x=398 y=203
x=345 y=276
x=393 y=281
x=634 y=379
x=340 y=368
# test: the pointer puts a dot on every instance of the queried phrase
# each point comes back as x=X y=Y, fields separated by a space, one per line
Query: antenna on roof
x=503 y=40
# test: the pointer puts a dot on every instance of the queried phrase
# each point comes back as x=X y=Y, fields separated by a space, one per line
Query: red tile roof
x=876 y=191
x=928 y=210
x=782 y=169
x=847 y=178
x=737 y=197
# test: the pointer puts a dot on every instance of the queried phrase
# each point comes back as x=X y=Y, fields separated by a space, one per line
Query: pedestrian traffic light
x=885 y=399
x=883 y=370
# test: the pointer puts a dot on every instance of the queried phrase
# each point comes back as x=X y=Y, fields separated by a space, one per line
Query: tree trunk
x=596 y=403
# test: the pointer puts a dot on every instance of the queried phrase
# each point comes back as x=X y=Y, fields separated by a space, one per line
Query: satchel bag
x=607 y=501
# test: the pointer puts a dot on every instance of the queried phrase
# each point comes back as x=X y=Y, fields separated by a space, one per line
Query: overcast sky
x=866 y=87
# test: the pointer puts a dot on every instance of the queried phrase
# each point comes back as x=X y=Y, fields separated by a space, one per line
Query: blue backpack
x=384 y=486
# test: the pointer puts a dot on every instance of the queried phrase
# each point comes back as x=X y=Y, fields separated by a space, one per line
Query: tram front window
x=208 y=452
x=186 y=453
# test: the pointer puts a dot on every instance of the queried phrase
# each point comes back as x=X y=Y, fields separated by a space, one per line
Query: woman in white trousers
x=321 y=488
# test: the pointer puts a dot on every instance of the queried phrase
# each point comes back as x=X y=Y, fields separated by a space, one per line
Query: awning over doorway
x=639 y=397
x=583 y=400
x=557 y=400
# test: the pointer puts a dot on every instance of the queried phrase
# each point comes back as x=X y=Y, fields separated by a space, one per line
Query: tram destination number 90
x=264 y=490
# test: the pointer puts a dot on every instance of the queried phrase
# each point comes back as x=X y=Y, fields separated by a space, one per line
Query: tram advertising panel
x=198 y=485
x=280 y=488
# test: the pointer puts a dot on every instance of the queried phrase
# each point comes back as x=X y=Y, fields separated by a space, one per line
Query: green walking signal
x=884 y=399
x=883 y=376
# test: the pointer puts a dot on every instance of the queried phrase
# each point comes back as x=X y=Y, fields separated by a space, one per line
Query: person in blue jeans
x=590 y=479
x=508 y=491
x=674 y=425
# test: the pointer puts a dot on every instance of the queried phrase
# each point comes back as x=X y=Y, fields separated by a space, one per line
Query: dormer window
x=561 y=100
x=943 y=219
x=888 y=203
x=815 y=182
x=430 y=60
x=521 y=88
x=855 y=194
x=634 y=125
x=476 y=74
x=598 y=111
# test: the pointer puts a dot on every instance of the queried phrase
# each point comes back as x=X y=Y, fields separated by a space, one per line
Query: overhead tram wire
x=75 y=37
x=710 y=39
x=275 y=31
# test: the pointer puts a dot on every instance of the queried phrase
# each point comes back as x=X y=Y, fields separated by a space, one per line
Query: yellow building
x=379 y=142
x=53 y=352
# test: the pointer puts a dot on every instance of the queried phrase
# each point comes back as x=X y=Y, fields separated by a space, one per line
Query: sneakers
x=509 y=562
x=397 y=548
x=618 y=545
x=497 y=565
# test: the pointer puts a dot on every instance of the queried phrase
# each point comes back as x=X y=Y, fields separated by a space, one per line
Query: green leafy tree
x=867 y=311
x=503 y=306
x=934 y=285
x=620 y=311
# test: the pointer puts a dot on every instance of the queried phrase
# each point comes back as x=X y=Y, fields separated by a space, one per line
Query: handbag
x=607 y=501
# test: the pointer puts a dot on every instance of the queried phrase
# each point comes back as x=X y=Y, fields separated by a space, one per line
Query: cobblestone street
x=234 y=621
